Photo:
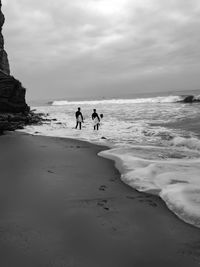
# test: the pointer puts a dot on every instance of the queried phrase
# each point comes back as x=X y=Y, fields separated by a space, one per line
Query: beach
x=62 y=205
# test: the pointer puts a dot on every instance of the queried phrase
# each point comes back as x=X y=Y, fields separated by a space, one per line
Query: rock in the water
x=189 y=99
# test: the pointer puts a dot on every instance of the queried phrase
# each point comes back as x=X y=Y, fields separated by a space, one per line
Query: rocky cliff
x=12 y=93
x=14 y=112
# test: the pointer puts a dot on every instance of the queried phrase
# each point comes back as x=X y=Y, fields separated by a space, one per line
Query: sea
x=154 y=141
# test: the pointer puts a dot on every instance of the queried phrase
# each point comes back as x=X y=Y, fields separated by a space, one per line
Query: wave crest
x=159 y=99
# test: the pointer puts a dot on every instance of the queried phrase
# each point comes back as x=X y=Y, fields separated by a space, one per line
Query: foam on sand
x=176 y=181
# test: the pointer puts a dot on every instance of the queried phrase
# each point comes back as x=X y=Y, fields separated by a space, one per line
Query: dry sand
x=61 y=205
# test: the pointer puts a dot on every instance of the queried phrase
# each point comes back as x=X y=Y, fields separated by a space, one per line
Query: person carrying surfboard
x=79 y=118
x=96 y=120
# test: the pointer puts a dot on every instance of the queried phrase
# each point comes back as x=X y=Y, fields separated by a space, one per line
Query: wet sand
x=62 y=205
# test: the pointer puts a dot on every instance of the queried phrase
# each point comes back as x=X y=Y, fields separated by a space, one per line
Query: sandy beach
x=62 y=205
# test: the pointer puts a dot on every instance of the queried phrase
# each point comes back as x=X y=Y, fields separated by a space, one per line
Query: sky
x=67 y=49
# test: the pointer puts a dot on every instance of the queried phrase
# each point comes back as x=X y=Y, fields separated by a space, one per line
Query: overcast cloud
x=95 y=48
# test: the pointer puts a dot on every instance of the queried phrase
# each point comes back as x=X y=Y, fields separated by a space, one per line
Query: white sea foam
x=176 y=181
x=165 y=99
x=190 y=143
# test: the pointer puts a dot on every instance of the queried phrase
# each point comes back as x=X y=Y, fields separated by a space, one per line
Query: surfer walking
x=79 y=118
x=96 y=120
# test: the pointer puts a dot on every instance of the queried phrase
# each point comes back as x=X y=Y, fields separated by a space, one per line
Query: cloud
x=79 y=46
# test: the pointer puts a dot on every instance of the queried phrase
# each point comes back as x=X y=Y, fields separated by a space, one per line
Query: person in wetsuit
x=79 y=118
x=96 y=119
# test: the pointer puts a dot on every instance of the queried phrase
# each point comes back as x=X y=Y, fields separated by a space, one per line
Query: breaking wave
x=159 y=99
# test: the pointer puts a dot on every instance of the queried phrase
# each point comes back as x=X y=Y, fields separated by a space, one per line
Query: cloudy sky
x=103 y=48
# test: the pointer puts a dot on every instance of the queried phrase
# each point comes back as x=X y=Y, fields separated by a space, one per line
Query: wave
x=169 y=99
x=158 y=99
x=175 y=180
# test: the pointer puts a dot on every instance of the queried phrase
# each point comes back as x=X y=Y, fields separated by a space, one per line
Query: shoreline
x=69 y=207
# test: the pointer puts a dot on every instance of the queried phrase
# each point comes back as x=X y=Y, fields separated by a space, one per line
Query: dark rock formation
x=190 y=99
x=14 y=112
x=4 y=65
x=12 y=93
x=13 y=121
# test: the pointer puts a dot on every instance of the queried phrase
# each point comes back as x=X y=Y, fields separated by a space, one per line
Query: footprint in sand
x=144 y=200
x=113 y=179
x=130 y=197
x=102 y=187
x=153 y=204
x=102 y=204
x=50 y=171
x=149 y=201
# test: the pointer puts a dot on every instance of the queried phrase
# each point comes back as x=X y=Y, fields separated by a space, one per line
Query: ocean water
x=153 y=141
